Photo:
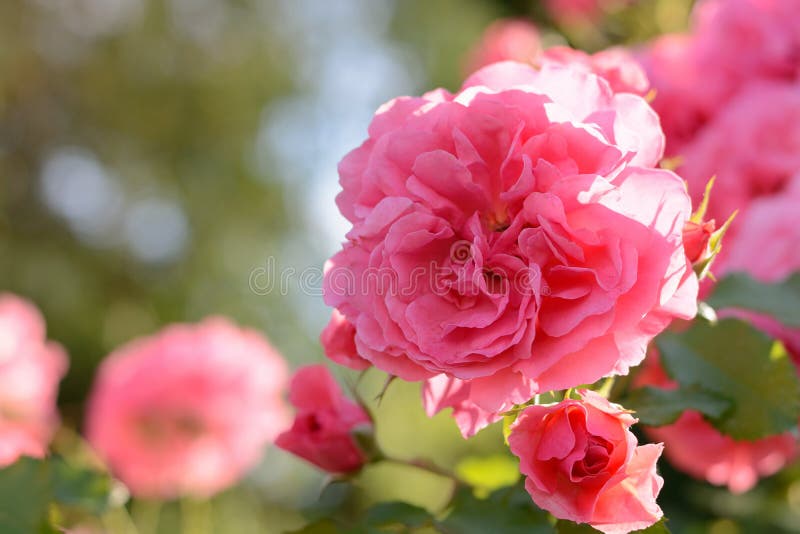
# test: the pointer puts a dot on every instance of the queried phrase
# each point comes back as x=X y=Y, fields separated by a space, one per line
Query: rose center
x=595 y=459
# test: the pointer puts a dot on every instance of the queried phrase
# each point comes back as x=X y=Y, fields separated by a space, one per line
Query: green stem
x=607 y=387
x=427 y=465
x=146 y=514
x=117 y=520
x=196 y=516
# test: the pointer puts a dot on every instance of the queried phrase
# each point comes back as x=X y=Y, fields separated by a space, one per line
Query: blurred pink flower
x=30 y=370
x=680 y=99
x=338 y=342
x=767 y=244
x=574 y=11
x=506 y=40
x=325 y=420
x=738 y=41
x=733 y=43
x=692 y=445
x=513 y=237
x=752 y=146
x=579 y=12
x=583 y=464
x=766 y=247
x=188 y=410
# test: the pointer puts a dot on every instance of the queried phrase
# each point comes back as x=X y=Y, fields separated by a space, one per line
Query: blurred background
x=165 y=160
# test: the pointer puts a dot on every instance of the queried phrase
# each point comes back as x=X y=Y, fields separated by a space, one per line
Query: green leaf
x=325 y=526
x=779 y=300
x=79 y=487
x=510 y=511
x=658 y=407
x=489 y=473
x=24 y=496
x=386 y=514
x=739 y=363
x=568 y=527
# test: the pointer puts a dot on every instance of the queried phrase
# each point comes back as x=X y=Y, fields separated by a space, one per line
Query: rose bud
x=583 y=464
x=324 y=426
x=695 y=239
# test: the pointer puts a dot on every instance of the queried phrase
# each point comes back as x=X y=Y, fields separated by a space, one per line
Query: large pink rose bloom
x=692 y=445
x=30 y=370
x=752 y=146
x=325 y=420
x=511 y=238
x=188 y=410
x=583 y=464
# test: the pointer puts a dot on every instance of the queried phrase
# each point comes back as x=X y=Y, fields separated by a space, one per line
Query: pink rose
x=506 y=39
x=692 y=445
x=325 y=420
x=743 y=40
x=189 y=410
x=765 y=247
x=338 y=342
x=570 y=12
x=679 y=83
x=733 y=44
x=512 y=238
x=697 y=448
x=752 y=146
x=583 y=464
x=30 y=370
x=617 y=65
x=767 y=243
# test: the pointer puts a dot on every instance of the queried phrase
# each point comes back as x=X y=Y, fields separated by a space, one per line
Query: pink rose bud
x=30 y=370
x=189 y=410
x=695 y=239
x=338 y=342
x=322 y=432
x=583 y=464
